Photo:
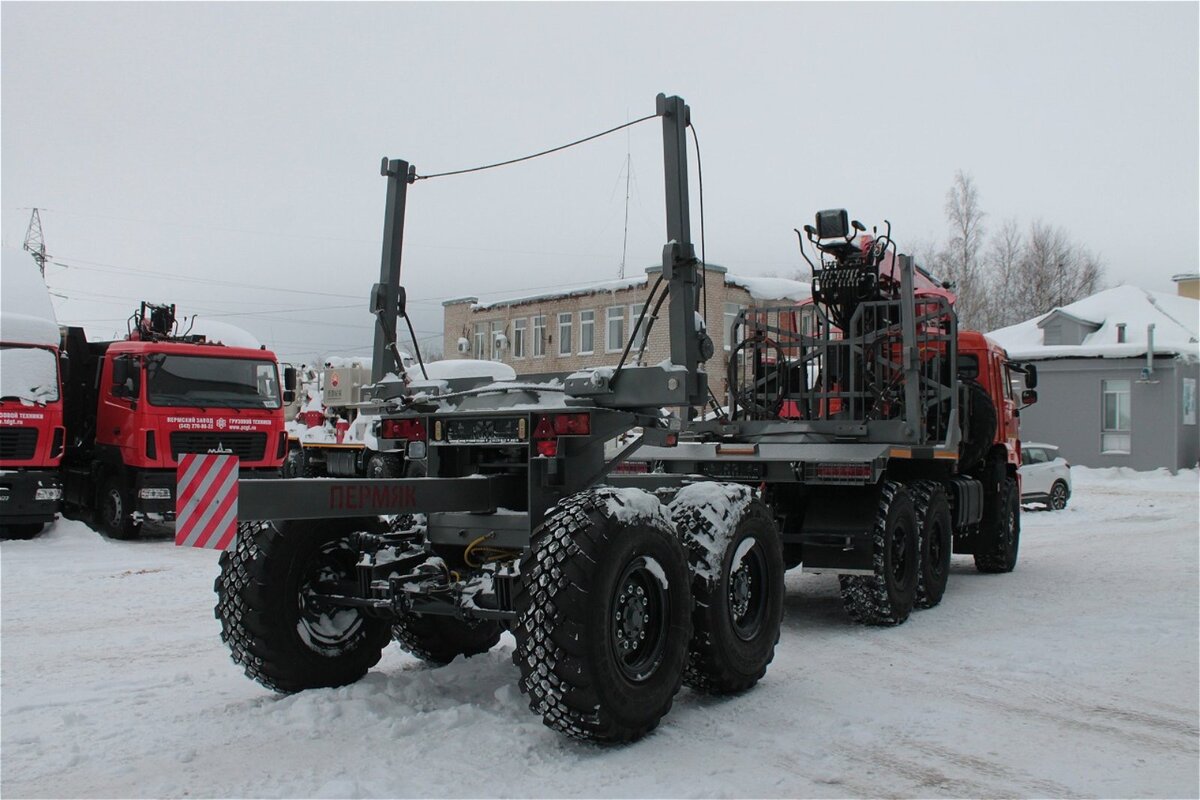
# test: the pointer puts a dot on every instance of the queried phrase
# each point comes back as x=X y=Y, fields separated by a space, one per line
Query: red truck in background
x=134 y=405
x=31 y=406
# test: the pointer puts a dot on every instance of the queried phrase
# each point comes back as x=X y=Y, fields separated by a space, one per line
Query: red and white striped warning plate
x=206 y=504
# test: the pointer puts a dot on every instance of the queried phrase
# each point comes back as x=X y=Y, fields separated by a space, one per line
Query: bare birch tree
x=961 y=255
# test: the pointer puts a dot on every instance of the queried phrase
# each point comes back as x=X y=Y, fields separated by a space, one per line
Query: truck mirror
x=64 y=367
x=289 y=396
x=289 y=379
x=126 y=377
x=120 y=371
x=1028 y=397
x=1031 y=376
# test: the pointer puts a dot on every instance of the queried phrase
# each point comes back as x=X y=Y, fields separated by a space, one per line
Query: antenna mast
x=625 y=241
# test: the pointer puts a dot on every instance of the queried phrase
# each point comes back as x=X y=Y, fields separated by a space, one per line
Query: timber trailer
x=854 y=441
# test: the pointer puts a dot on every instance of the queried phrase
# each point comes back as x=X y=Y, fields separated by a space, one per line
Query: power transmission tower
x=35 y=242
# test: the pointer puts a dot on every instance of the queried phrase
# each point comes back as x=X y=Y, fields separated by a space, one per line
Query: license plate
x=500 y=430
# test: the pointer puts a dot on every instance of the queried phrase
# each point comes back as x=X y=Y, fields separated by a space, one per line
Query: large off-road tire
x=283 y=636
x=603 y=615
x=439 y=639
x=1059 y=495
x=1000 y=531
x=887 y=597
x=21 y=531
x=113 y=510
x=935 y=528
x=384 y=466
x=736 y=557
x=979 y=427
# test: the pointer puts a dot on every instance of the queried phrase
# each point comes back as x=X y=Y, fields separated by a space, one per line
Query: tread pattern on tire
x=707 y=524
x=550 y=648
x=994 y=556
x=865 y=597
x=245 y=597
x=923 y=495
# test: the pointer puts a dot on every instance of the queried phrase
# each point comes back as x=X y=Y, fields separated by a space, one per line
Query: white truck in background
x=328 y=437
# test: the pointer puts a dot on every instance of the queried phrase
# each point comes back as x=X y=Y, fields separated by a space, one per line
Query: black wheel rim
x=900 y=561
x=748 y=589
x=324 y=626
x=638 y=615
x=936 y=550
x=1058 y=496
x=114 y=509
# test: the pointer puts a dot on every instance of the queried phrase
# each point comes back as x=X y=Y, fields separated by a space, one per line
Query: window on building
x=481 y=342
x=614 y=341
x=1115 y=429
x=731 y=312
x=499 y=343
x=639 y=331
x=587 y=332
x=565 y=322
x=539 y=336
x=518 y=343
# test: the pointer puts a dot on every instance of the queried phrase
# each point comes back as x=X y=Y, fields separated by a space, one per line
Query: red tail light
x=844 y=471
x=545 y=440
x=572 y=424
x=550 y=426
x=411 y=429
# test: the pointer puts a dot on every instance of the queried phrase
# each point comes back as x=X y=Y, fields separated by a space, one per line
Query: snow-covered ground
x=1074 y=676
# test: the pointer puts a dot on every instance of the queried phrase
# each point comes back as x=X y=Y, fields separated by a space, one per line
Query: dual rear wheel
x=620 y=605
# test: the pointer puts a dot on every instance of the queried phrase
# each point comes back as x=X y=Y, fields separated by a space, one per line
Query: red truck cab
x=996 y=376
x=140 y=403
x=31 y=437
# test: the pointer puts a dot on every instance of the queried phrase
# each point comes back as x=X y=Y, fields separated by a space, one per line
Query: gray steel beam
x=680 y=267
x=315 y=498
x=385 y=296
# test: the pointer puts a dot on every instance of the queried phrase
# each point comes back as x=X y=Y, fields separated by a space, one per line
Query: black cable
x=700 y=178
x=633 y=333
x=650 y=325
x=416 y=347
x=535 y=155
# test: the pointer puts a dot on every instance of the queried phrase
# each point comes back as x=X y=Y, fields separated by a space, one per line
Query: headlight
x=154 y=494
x=416 y=450
x=48 y=494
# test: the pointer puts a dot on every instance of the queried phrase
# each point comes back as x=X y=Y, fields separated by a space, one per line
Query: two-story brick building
x=554 y=334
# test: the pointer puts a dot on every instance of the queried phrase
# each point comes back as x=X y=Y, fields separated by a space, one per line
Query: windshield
x=28 y=373
x=173 y=380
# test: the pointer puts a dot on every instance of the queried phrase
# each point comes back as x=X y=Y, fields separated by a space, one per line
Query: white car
x=1045 y=476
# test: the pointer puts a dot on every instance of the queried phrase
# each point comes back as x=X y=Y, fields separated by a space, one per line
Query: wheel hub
x=326 y=627
x=632 y=616
x=639 y=613
x=739 y=591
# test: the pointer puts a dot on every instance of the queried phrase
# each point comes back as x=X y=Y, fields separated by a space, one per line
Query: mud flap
x=835 y=533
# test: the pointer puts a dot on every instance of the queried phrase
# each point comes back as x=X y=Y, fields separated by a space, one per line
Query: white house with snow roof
x=1117 y=378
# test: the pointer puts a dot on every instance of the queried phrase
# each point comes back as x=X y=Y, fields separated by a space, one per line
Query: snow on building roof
x=760 y=288
x=1176 y=323
x=26 y=314
x=771 y=288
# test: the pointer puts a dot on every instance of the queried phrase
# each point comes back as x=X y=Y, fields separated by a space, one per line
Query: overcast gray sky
x=204 y=153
